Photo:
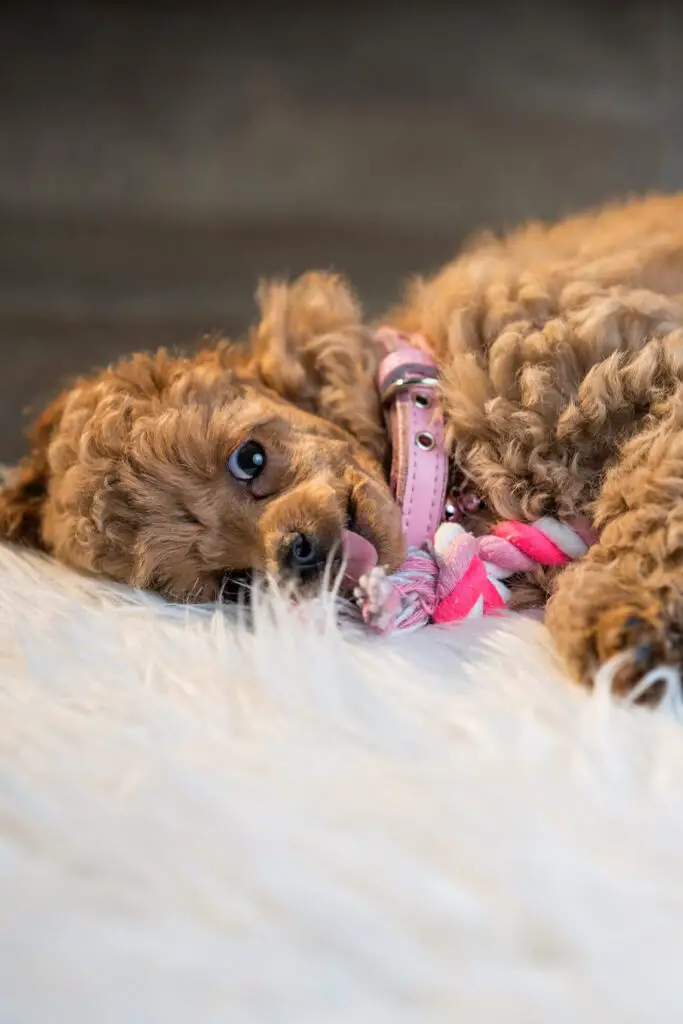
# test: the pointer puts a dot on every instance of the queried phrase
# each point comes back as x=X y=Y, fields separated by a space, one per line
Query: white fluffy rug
x=198 y=824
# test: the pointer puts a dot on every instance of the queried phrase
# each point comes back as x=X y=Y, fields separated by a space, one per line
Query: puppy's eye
x=247 y=461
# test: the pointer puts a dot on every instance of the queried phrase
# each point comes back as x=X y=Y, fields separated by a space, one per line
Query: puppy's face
x=232 y=480
x=182 y=475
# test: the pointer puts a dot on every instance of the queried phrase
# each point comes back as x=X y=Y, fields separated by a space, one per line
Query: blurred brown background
x=156 y=159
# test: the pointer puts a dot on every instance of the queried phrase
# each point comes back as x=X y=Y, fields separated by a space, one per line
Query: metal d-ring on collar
x=401 y=384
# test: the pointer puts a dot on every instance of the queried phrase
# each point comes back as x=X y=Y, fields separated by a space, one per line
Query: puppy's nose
x=305 y=556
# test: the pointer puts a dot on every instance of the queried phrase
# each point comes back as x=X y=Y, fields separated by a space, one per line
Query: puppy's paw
x=606 y=630
x=629 y=647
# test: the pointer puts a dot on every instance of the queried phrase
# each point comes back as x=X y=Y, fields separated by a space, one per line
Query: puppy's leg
x=626 y=595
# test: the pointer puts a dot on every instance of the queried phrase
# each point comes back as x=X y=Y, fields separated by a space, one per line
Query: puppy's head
x=180 y=475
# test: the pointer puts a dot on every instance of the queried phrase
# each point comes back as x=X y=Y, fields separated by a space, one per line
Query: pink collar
x=407 y=381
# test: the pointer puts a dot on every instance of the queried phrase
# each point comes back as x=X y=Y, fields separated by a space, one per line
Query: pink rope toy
x=461 y=576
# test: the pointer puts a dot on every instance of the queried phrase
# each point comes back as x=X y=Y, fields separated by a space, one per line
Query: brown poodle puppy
x=561 y=351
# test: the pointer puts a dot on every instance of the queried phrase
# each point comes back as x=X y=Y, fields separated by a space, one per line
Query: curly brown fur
x=562 y=357
x=561 y=352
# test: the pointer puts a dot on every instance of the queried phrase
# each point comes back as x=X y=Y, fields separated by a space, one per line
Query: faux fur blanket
x=199 y=823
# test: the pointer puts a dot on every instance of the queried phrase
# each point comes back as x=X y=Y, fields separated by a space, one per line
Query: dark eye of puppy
x=247 y=461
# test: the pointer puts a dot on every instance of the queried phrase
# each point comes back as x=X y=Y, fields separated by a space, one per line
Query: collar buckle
x=408 y=379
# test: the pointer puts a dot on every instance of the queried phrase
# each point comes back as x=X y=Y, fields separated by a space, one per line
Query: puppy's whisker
x=333 y=574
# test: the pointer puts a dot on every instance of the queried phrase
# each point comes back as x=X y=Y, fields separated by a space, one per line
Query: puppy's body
x=561 y=352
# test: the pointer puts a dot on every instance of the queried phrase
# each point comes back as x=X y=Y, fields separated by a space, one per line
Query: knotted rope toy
x=449 y=574
x=458 y=576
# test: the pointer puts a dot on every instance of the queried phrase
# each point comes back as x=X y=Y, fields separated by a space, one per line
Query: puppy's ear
x=23 y=496
x=311 y=347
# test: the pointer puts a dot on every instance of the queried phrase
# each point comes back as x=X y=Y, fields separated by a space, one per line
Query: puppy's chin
x=236 y=587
